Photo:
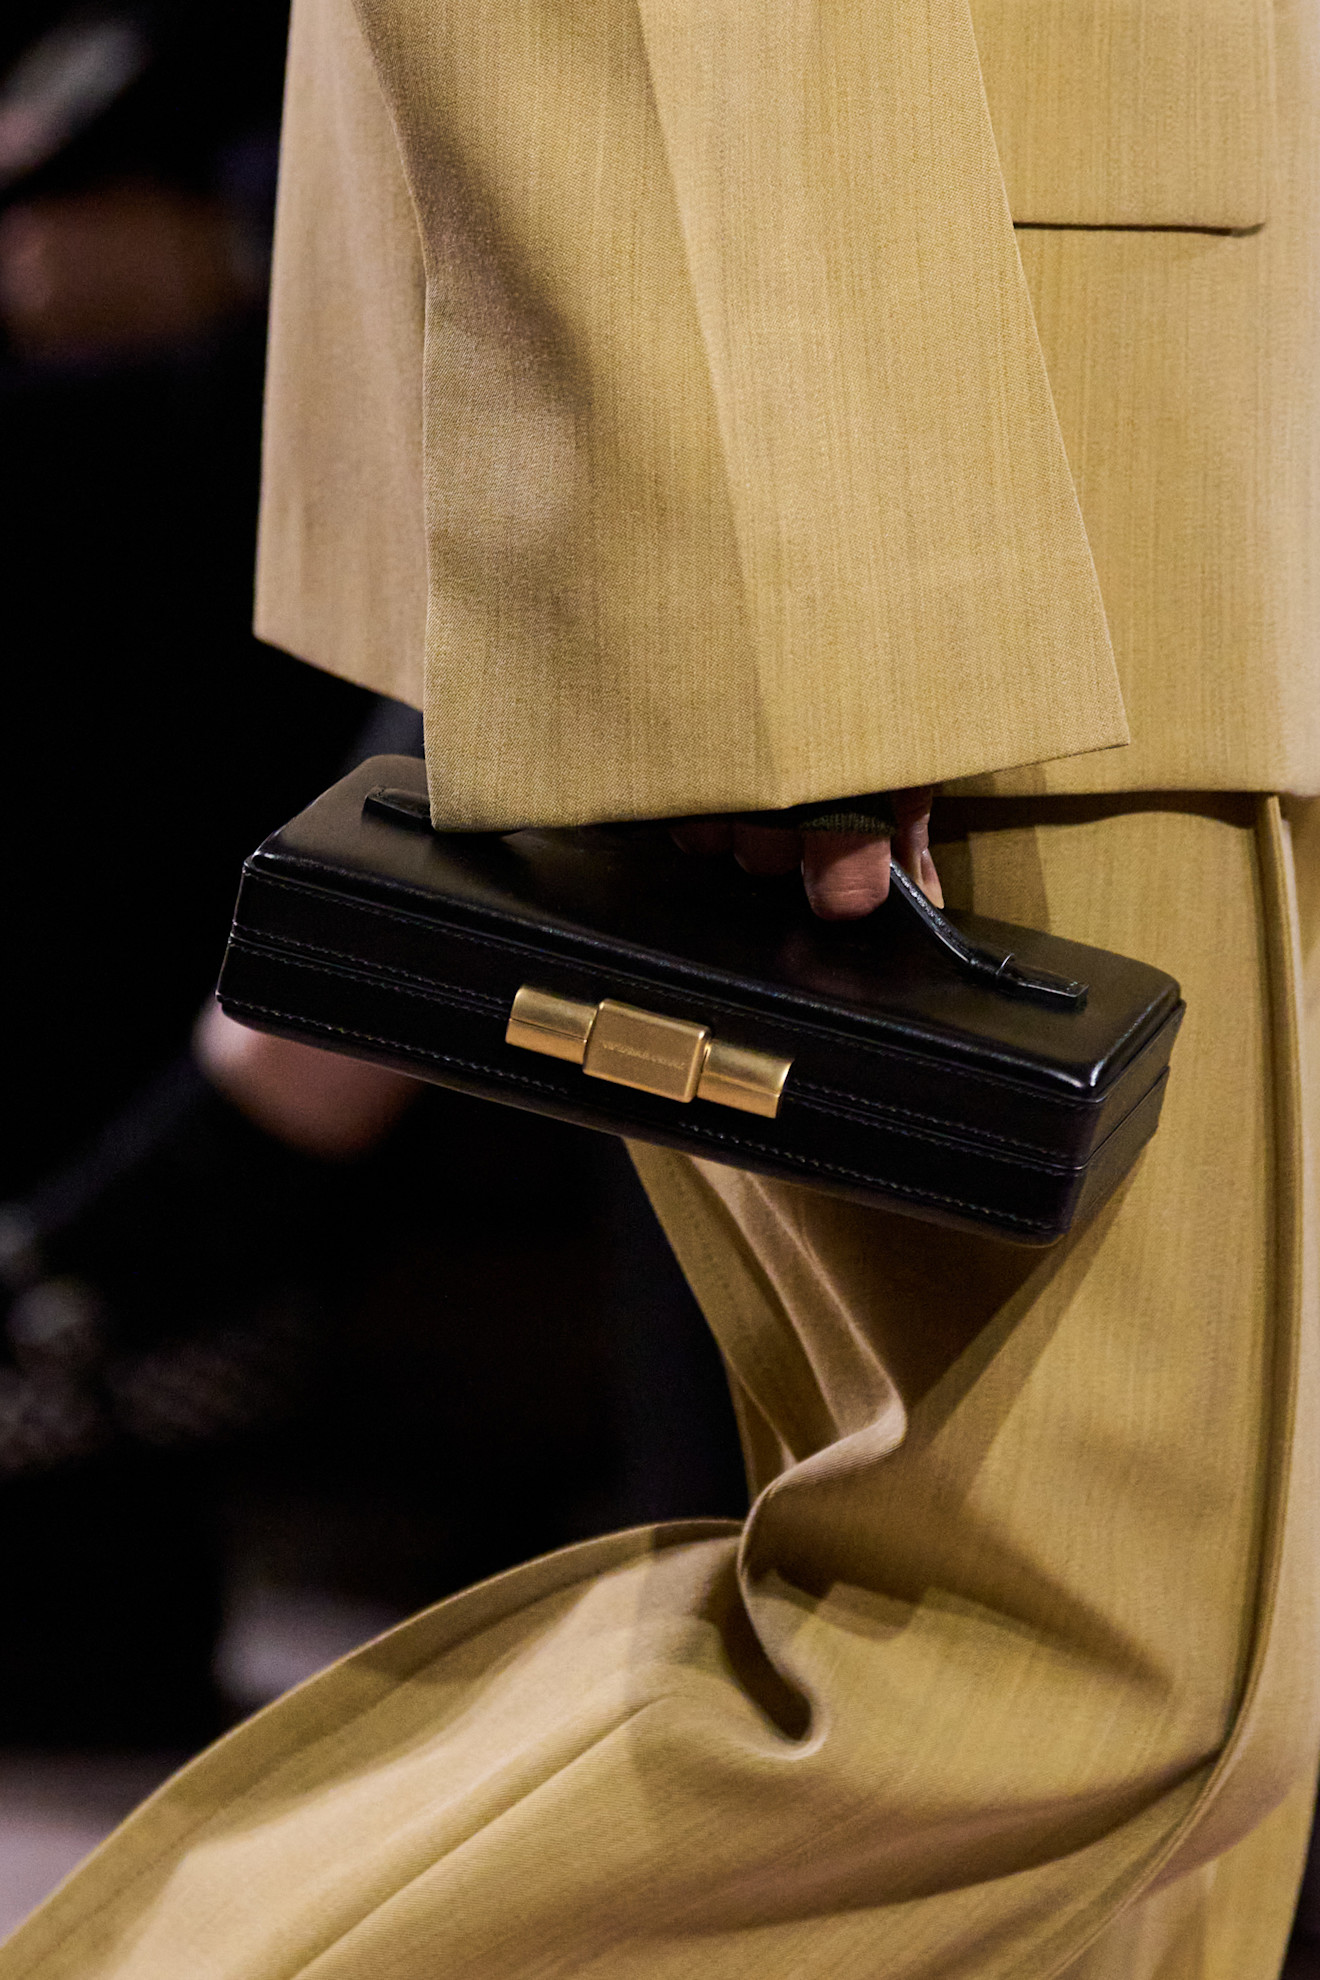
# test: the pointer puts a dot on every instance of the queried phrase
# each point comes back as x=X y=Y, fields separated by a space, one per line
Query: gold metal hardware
x=638 y=1048
x=542 y=1022
x=673 y=1057
x=737 y=1076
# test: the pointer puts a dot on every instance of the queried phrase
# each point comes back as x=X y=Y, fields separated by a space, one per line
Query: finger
x=703 y=835
x=912 y=841
x=912 y=803
x=767 y=848
x=846 y=873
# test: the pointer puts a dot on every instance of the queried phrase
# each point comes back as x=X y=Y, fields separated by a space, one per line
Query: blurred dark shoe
x=167 y=1295
x=167 y=1289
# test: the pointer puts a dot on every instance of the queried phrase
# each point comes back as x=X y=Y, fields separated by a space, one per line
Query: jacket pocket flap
x=1131 y=113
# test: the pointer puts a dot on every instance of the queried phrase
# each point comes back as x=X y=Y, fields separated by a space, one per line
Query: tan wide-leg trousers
x=1012 y=1670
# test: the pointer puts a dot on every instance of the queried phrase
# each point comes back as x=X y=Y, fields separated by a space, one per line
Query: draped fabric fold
x=908 y=531
x=741 y=479
x=1020 y=1630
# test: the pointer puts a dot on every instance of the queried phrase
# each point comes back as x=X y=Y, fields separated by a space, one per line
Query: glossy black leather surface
x=912 y=1083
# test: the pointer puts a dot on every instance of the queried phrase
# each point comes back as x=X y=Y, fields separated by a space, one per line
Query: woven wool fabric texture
x=742 y=481
x=1184 y=366
x=1132 y=115
x=1186 y=372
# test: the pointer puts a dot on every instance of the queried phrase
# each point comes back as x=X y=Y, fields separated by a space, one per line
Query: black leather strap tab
x=999 y=969
x=400 y=807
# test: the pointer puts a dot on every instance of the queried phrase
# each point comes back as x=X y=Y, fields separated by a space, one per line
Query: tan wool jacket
x=699 y=407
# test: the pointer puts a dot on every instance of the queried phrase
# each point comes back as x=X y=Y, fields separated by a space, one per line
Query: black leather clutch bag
x=957 y=1069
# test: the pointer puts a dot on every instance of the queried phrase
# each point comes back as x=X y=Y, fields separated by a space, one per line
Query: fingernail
x=930 y=880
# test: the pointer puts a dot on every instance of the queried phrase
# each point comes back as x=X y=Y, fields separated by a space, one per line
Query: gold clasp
x=673 y=1057
x=637 y=1048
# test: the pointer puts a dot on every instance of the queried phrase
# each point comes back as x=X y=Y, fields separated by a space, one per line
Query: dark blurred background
x=251 y=1406
x=149 y=736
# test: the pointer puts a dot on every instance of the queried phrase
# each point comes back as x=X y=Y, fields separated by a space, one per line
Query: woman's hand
x=846 y=874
